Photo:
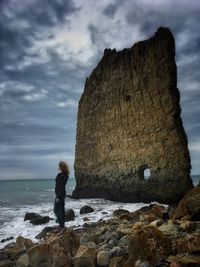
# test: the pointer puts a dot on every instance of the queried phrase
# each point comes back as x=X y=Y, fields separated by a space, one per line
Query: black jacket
x=61 y=180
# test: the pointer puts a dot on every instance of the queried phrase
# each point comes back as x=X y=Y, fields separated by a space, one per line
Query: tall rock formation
x=128 y=121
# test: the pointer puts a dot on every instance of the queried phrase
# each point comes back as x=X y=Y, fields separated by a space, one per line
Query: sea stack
x=129 y=121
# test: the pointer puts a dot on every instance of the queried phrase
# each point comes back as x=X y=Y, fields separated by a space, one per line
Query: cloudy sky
x=49 y=47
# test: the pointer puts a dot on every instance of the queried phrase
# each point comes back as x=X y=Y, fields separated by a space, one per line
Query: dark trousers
x=59 y=210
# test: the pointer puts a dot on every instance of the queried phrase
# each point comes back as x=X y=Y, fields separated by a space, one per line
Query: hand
x=57 y=200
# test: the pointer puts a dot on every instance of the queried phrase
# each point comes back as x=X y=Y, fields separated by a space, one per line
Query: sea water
x=20 y=196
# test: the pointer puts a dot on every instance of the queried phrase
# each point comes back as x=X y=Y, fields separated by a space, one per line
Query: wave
x=103 y=210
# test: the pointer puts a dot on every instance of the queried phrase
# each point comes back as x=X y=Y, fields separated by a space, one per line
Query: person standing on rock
x=60 y=192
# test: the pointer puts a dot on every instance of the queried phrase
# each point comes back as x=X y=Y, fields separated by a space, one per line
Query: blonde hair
x=64 y=167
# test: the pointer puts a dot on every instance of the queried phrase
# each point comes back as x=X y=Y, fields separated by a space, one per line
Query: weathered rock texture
x=189 y=207
x=128 y=121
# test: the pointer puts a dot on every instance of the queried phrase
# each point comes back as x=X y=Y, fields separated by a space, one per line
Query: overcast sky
x=49 y=47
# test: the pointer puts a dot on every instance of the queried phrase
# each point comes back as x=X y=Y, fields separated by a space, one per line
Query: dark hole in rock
x=144 y=172
x=127 y=98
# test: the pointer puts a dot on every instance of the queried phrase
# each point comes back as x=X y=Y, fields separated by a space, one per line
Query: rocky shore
x=152 y=236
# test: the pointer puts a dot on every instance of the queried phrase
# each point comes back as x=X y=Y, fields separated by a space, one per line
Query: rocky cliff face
x=129 y=121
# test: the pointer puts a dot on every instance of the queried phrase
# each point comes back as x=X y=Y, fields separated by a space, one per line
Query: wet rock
x=40 y=220
x=189 y=207
x=69 y=215
x=103 y=258
x=30 y=215
x=86 y=209
x=36 y=219
x=86 y=219
x=6 y=239
x=120 y=212
x=45 y=232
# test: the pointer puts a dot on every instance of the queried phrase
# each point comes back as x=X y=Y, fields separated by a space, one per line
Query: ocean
x=20 y=196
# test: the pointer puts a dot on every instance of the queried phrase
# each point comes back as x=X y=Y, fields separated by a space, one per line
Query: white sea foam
x=15 y=225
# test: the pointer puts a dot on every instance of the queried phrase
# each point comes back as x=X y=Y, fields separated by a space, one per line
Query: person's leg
x=59 y=210
x=56 y=209
x=62 y=217
x=62 y=213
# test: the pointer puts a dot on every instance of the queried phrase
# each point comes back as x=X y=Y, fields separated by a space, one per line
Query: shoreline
x=125 y=240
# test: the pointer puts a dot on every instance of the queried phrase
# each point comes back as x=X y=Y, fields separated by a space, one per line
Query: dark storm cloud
x=169 y=14
x=97 y=38
x=111 y=9
x=23 y=21
x=27 y=80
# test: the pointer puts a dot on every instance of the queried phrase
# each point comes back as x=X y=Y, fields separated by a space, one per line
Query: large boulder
x=189 y=207
x=40 y=220
x=21 y=246
x=103 y=258
x=189 y=244
x=148 y=244
x=36 y=219
x=54 y=251
x=128 y=122
x=30 y=215
x=45 y=231
x=120 y=212
x=169 y=228
x=86 y=255
x=69 y=215
x=86 y=209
